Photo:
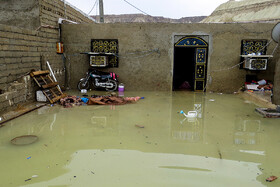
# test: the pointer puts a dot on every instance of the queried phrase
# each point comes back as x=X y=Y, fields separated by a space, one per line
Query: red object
x=140 y=126
x=271 y=178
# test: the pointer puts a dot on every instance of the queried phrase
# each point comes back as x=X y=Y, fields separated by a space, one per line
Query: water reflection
x=189 y=129
x=227 y=142
x=247 y=131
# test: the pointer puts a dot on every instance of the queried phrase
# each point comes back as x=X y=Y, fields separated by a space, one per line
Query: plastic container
x=83 y=91
x=191 y=114
x=262 y=82
x=121 y=87
x=40 y=97
x=121 y=94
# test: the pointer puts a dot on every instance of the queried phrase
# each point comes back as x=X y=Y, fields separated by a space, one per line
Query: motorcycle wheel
x=115 y=85
x=81 y=87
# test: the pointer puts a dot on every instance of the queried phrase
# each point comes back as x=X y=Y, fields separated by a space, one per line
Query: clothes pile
x=71 y=101
x=111 y=100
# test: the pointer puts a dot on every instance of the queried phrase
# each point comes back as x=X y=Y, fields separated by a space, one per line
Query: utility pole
x=101 y=11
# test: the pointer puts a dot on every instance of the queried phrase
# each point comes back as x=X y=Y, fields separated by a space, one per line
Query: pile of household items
x=261 y=85
x=71 y=101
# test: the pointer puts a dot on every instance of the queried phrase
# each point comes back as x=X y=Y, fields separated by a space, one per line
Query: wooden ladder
x=47 y=85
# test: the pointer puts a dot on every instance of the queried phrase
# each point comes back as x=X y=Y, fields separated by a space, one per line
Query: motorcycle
x=99 y=79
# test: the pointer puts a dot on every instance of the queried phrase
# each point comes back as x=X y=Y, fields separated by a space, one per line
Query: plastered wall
x=20 y=13
x=276 y=90
x=154 y=71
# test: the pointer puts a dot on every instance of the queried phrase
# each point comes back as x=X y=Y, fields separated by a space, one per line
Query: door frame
x=201 y=62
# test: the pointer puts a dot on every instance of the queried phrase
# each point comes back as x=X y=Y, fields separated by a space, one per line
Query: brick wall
x=22 y=49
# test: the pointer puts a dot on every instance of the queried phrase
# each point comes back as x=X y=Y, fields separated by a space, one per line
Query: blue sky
x=165 y=8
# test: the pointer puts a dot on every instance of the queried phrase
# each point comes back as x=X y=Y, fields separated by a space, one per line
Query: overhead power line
x=136 y=8
x=93 y=7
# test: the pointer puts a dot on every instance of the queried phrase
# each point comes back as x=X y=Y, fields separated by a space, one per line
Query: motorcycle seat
x=106 y=76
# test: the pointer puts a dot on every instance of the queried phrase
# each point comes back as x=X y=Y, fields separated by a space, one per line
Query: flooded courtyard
x=148 y=143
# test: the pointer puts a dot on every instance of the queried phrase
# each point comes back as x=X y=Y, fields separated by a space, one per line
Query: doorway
x=190 y=64
x=184 y=64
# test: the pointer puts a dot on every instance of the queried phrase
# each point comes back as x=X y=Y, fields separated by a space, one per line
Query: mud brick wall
x=20 y=51
x=28 y=46
x=17 y=93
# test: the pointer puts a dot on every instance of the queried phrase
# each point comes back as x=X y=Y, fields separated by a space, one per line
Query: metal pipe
x=49 y=66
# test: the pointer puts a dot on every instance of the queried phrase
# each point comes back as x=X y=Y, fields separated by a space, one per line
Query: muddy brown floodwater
x=226 y=144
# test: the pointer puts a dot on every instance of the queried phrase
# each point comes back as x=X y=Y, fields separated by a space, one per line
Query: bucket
x=121 y=87
x=262 y=82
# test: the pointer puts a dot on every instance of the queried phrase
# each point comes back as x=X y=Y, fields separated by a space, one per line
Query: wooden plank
x=19 y=112
x=37 y=82
x=43 y=79
x=53 y=84
x=58 y=97
x=47 y=96
x=36 y=73
x=53 y=93
x=50 y=88
x=50 y=78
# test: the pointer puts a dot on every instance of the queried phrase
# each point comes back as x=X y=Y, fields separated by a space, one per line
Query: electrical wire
x=144 y=54
x=226 y=69
x=141 y=55
x=93 y=7
x=265 y=46
x=126 y=55
x=252 y=31
x=136 y=8
x=275 y=48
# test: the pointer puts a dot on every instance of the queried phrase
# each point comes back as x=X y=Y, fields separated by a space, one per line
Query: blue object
x=142 y=97
x=182 y=112
x=29 y=157
x=84 y=99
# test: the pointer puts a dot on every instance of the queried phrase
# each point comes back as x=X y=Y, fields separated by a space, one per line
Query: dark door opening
x=184 y=68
